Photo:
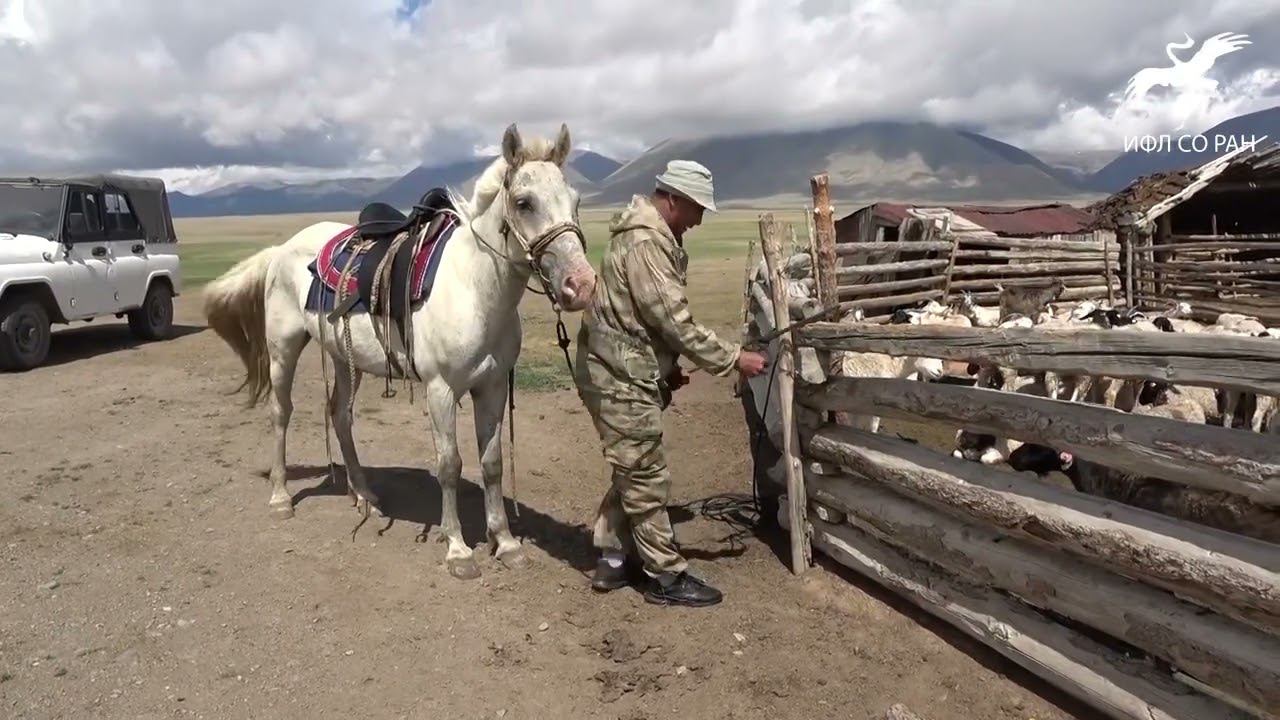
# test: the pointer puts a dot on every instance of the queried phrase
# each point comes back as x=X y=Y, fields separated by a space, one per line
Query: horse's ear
x=563 y=145
x=512 y=146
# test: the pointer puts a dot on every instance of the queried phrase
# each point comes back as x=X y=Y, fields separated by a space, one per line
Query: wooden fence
x=1139 y=614
x=940 y=255
x=1214 y=273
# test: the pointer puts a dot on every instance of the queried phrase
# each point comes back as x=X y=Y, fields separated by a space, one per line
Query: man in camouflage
x=632 y=336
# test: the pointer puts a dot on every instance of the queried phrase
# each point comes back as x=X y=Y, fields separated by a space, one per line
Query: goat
x=1029 y=300
x=978 y=315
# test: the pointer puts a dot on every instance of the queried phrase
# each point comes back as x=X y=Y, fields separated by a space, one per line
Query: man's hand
x=751 y=363
x=677 y=379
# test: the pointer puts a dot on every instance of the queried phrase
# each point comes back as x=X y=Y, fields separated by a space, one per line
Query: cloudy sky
x=212 y=91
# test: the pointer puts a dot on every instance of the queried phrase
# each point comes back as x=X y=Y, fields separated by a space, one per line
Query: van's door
x=94 y=291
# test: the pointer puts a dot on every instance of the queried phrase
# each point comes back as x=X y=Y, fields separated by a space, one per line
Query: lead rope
x=511 y=433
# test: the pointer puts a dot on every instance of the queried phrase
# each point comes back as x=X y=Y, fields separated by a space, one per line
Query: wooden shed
x=1209 y=235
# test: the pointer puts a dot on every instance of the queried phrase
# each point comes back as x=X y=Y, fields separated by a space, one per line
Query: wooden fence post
x=951 y=260
x=771 y=242
x=825 y=230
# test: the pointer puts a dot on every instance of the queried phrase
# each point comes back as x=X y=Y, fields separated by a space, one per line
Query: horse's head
x=541 y=211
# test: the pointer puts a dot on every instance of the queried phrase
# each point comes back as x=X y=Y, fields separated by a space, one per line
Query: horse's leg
x=489 y=399
x=340 y=411
x=286 y=338
x=442 y=405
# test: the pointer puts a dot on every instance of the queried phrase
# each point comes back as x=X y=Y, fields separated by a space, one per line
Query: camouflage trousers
x=633 y=518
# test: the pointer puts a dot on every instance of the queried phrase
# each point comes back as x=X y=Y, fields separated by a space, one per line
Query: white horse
x=522 y=218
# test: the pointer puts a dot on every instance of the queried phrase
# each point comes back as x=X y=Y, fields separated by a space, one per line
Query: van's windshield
x=30 y=209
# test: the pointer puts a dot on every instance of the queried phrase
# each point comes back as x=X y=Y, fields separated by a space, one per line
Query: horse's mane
x=490 y=182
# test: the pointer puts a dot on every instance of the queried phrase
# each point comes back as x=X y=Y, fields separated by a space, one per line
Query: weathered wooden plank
x=1115 y=536
x=1032 y=255
x=1236 y=363
x=1090 y=292
x=1219 y=280
x=891 y=300
x=1116 y=687
x=849 y=272
x=856 y=249
x=1204 y=456
x=771 y=242
x=1271 y=265
x=825 y=234
x=1037 y=268
x=848 y=291
x=1227 y=242
x=1224 y=654
x=993 y=241
x=1067 y=281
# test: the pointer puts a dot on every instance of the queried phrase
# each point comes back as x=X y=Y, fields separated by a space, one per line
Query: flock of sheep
x=1027 y=308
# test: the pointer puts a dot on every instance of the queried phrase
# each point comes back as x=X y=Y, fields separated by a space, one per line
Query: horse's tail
x=235 y=305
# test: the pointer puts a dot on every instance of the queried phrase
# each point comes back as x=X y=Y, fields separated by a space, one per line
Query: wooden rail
x=1234 y=363
x=855 y=249
x=1219 y=651
x=1069 y=660
x=1205 y=456
x=1082 y=525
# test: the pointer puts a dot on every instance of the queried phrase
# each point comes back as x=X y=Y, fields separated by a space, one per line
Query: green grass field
x=717 y=252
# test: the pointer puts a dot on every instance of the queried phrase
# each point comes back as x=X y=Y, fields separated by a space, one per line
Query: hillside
x=1117 y=174
x=868 y=161
x=276 y=197
x=273 y=197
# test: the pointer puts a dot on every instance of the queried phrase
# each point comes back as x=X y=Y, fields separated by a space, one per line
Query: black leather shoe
x=683 y=589
x=609 y=578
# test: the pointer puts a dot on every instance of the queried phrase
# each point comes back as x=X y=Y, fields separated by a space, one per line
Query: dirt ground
x=143 y=577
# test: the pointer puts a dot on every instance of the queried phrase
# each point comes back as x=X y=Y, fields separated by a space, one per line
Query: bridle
x=534 y=250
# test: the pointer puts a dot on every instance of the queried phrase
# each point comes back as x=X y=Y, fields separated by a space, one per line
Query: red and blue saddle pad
x=326 y=269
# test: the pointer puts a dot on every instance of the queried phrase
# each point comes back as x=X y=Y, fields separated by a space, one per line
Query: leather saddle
x=377 y=227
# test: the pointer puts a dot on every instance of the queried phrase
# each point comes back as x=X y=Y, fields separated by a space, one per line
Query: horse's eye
x=524 y=204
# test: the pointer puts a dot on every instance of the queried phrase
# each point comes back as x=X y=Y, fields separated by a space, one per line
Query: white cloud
x=297 y=88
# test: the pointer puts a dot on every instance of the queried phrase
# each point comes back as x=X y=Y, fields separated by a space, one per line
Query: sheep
x=1242 y=326
x=880 y=365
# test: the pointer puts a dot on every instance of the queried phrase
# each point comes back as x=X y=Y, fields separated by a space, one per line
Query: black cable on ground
x=739 y=512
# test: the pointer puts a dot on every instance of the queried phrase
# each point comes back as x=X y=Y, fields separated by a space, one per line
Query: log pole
x=825 y=234
x=771 y=242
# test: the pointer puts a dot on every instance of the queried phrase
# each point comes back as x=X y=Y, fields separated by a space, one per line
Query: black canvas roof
x=146 y=195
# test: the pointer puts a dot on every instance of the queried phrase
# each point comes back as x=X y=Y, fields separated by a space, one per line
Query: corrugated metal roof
x=1023 y=221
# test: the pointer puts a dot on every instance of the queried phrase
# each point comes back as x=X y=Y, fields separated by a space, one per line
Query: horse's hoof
x=514 y=559
x=369 y=507
x=281 y=511
x=464 y=568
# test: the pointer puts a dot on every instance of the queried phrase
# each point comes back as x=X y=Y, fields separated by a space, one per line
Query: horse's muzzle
x=578 y=288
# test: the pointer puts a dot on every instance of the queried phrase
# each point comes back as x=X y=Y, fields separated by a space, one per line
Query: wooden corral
x=1131 y=605
x=893 y=256
x=1209 y=236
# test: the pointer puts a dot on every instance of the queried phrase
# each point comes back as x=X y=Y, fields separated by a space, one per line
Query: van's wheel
x=24 y=334
x=154 y=320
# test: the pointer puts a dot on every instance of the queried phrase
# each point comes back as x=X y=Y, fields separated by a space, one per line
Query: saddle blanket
x=326 y=269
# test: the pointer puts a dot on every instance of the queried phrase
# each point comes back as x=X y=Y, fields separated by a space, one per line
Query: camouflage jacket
x=639 y=324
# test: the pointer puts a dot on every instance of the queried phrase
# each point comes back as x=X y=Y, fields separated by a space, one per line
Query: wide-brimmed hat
x=690 y=180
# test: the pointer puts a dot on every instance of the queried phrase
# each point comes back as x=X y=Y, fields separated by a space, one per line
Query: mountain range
x=866 y=162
